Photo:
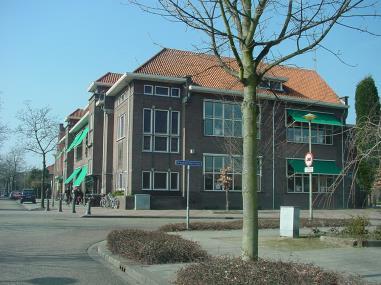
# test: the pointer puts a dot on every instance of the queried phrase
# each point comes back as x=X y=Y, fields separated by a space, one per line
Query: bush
x=154 y=247
x=229 y=271
x=262 y=224
x=117 y=193
x=356 y=227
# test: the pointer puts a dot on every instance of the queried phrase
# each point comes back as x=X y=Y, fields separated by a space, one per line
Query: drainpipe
x=345 y=101
x=274 y=154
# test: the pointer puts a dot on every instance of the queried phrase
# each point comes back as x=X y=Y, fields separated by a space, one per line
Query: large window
x=298 y=132
x=213 y=163
x=223 y=118
x=120 y=155
x=161 y=130
x=160 y=180
x=78 y=152
x=121 y=126
x=121 y=181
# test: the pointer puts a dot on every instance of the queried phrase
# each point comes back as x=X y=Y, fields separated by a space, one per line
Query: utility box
x=142 y=202
x=289 y=221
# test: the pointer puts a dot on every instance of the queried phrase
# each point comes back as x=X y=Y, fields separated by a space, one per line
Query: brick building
x=182 y=105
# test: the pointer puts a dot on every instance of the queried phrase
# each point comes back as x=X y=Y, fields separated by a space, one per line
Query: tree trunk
x=249 y=169
x=43 y=182
x=227 y=199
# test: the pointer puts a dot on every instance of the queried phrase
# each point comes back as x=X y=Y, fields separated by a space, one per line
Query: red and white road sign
x=309 y=159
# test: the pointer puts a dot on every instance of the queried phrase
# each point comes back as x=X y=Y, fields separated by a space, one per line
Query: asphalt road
x=51 y=248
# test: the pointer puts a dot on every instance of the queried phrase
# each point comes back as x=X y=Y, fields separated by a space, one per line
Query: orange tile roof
x=77 y=113
x=206 y=72
x=109 y=78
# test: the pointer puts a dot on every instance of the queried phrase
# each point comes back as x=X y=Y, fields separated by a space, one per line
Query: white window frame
x=154 y=121
x=223 y=119
x=153 y=180
x=306 y=175
x=121 y=127
x=268 y=87
x=312 y=124
x=90 y=166
x=121 y=183
x=168 y=135
x=170 y=181
x=144 y=89
x=214 y=173
x=178 y=89
x=150 y=143
x=166 y=87
x=150 y=180
x=154 y=143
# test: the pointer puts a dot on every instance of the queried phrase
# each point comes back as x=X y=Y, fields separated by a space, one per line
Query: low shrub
x=154 y=247
x=262 y=224
x=117 y=193
x=229 y=271
x=356 y=227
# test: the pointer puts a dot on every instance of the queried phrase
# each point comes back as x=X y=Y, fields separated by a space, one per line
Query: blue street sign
x=194 y=163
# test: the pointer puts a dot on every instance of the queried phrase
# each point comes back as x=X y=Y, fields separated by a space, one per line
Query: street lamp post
x=309 y=117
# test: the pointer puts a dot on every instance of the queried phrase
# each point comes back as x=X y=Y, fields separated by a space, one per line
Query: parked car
x=28 y=195
x=15 y=195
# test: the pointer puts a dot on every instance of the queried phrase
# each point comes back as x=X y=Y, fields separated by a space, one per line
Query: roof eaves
x=267 y=96
x=94 y=84
x=129 y=76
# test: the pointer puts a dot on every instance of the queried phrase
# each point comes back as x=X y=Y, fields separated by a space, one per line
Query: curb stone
x=159 y=217
x=135 y=271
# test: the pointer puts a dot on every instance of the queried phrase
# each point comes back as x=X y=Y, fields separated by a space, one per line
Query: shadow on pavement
x=52 y=280
x=45 y=281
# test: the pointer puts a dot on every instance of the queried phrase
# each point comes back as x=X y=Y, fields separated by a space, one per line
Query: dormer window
x=271 y=84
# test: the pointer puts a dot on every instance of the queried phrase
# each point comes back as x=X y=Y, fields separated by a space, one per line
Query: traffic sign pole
x=188 y=168
x=309 y=146
x=188 y=164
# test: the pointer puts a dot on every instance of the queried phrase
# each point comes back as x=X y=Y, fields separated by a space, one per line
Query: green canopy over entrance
x=71 y=177
x=81 y=176
x=321 y=118
x=320 y=166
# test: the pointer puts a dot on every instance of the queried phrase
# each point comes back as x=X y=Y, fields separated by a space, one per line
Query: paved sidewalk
x=97 y=212
x=347 y=260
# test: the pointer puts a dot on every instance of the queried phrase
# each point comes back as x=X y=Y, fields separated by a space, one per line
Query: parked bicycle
x=108 y=201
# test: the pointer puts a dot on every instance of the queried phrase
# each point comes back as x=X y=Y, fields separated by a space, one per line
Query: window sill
x=309 y=193
x=161 y=190
x=311 y=143
x=223 y=191
x=152 y=151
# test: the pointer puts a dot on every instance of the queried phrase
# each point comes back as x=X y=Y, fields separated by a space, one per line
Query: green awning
x=74 y=142
x=321 y=118
x=320 y=166
x=78 y=138
x=71 y=177
x=81 y=176
x=82 y=136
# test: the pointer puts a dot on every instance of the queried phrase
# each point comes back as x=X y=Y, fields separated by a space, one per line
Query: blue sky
x=51 y=51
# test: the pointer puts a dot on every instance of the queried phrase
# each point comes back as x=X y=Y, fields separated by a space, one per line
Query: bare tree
x=10 y=167
x=256 y=32
x=3 y=130
x=38 y=130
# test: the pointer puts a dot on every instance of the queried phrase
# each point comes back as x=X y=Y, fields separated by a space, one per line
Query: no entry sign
x=309 y=159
